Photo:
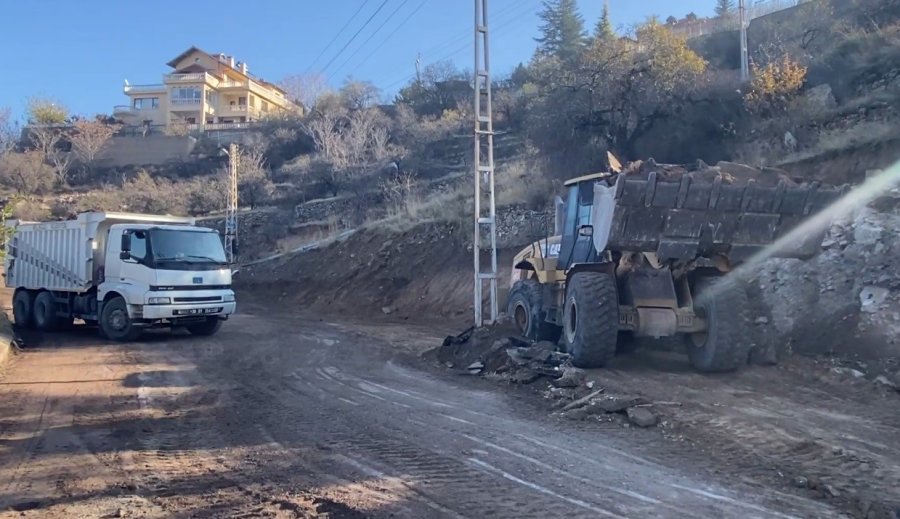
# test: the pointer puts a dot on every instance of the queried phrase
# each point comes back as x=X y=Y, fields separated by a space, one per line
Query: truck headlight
x=228 y=298
x=160 y=301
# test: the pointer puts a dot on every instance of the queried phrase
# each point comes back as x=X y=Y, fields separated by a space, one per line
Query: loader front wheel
x=526 y=307
x=591 y=319
x=724 y=345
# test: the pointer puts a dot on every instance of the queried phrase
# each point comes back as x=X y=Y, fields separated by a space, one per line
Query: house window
x=253 y=101
x=243 y=101
x=186 y=93
x=265 y=106
x=146 y=103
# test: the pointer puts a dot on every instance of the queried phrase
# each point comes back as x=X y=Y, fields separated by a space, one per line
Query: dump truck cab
x=645 y=254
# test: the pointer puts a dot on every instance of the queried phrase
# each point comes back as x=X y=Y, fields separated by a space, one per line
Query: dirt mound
x=731 y=173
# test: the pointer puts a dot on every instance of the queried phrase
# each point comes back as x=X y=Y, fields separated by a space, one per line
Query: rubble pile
x=498 y=352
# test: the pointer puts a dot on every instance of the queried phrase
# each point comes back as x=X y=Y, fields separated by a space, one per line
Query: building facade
x=204 y=91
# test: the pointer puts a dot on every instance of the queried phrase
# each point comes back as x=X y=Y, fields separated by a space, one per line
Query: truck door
x=577 y=247
x=131 y=267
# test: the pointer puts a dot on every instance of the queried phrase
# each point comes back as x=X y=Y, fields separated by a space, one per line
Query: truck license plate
x=198 y=311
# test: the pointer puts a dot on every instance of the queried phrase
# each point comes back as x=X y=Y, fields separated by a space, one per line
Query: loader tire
x=23 y=308
x=591 y=319
x=44 y=313
x=724 y=346
x=526 y=308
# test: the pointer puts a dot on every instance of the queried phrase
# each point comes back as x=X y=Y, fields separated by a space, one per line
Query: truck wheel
x=206 y=328
x=724 y=345
x=525 y=306
x=115 y=323
x=23 y=305
x=591 y=319
x=45 y=312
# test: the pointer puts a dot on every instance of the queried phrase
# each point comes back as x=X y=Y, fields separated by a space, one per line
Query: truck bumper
x=219 y=309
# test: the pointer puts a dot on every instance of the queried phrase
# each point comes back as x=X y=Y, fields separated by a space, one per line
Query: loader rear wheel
x=526 y=307
x=45 y=312
x=724 y=345
x=591 y=319
x=23 y=306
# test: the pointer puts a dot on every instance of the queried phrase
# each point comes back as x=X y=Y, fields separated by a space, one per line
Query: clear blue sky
x=79 y=52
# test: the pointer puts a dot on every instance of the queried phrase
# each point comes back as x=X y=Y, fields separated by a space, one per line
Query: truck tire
x=206 y=328
x=591 y=319
x=724 y=345
x=115 y=323
x=526 y=308
x=44 y=313
x=23 y=308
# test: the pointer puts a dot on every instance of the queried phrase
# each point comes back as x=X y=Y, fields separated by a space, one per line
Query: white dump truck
x=123 y=272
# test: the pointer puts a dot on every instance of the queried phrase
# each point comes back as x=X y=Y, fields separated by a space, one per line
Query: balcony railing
x=181 y=78
x=232 y=84
x=137 y=89
x=180 y=103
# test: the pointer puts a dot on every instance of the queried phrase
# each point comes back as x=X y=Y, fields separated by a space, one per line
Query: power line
x=366 y=24
x=363 y=44
x=395 y=31
x=336 y=36
x=467 y=45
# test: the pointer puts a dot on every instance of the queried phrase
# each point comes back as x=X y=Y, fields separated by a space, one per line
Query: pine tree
x=724 y=8
x=562 y=30
x=604 y=29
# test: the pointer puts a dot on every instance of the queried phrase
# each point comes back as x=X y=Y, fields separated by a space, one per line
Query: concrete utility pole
x=745 y=59
x=485 y=220
x=231 y=224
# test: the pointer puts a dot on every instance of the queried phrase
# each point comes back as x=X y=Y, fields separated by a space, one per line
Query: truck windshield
x=187 y=246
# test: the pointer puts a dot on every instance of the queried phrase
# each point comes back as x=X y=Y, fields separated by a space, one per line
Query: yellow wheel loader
x=646 y=254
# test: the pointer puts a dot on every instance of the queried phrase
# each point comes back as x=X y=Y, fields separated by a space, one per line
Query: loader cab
x=577 y=232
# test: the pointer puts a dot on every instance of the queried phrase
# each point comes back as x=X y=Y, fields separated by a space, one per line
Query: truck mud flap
x=690 y=216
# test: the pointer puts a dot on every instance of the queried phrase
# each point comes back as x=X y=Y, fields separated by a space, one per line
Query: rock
x=837 y=451
x=762 y=320
x=830 y=491
x=386 y=310
x=882 y=380
x=524 y=376
x=642 y=417
x=615 y=404
x=475 y=367
x=821 y=96
x=790 y=142
x=801 y=482
x=867 y=233
x=571 y=377
x=855 y=373
x=871 y=298
x=578 y=414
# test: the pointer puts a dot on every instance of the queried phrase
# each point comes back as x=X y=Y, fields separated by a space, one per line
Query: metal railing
x=185 y=102
x=704 y=26
x=233 y=84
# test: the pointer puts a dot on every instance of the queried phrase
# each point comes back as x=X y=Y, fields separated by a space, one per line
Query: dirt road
x=281 y=416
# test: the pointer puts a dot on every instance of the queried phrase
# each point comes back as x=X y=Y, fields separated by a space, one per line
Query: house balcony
x=192 y=78
x=229 y=84
x=185 y=104
x=237 y=111
x=144 y=89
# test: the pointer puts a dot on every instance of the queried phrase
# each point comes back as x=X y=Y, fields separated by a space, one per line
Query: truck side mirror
x=125 y=247
x=586 y=230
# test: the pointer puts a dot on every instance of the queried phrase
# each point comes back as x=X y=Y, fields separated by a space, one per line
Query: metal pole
x=231 y=224
x=485 y=222
x=745 y=61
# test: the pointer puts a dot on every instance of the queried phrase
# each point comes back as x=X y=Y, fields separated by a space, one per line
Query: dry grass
x=863 y=134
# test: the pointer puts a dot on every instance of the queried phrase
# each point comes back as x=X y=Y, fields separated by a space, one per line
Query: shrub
x=774 y=86
x=30 y=210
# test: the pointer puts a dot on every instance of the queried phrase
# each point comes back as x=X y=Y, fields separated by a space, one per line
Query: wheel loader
x=646 y=254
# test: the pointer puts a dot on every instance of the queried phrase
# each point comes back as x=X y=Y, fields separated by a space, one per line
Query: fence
x=701 y=27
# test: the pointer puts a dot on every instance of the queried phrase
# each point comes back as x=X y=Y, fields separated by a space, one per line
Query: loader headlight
x=160 y=301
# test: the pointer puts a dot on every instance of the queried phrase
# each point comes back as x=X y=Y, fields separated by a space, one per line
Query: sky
x=80 y=52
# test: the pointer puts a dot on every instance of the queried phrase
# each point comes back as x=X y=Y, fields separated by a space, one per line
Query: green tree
x=604 y=29
x=724 y=8
x=46 y=111
x=562 y=30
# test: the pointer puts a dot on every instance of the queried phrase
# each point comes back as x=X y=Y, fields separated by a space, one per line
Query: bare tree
x=8 y=132
x=26 y=173
x=359 y=95
x=305 y=89
x=89 y=138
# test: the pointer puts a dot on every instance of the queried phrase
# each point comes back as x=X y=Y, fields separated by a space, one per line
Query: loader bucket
x=696 y=215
